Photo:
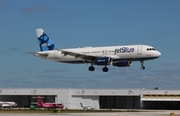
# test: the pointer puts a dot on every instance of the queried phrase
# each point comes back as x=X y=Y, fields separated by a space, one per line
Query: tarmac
x=141 y=113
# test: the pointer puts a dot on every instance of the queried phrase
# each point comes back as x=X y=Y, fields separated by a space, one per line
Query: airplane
x=86 y=106
x=4 y=104
x=48 y=105
x=118 y=56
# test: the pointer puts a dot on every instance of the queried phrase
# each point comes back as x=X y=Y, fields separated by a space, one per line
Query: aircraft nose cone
x=158 y=53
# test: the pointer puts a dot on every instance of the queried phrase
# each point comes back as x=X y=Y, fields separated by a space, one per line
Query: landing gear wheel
x=91 y=68
x=142 y=67
x=105 y=69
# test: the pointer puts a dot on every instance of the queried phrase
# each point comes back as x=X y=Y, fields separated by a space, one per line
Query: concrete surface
x=142 y=113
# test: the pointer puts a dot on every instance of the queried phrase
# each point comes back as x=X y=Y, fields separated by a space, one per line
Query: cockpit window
x=149 y=49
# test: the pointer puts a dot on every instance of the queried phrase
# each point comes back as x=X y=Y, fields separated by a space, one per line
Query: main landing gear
x=142 y=65
x=91 y=68
x=105 y=69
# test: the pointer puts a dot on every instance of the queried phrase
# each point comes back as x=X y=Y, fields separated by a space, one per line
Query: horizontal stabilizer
x=38 y=54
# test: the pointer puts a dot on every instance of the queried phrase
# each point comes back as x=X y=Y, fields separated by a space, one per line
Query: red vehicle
x=48 y=105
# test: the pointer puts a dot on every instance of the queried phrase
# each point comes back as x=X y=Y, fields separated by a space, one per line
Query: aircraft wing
x=79 y=55
x=38 y=54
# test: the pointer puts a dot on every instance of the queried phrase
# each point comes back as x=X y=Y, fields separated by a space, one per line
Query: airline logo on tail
x=45 y=43
x=40 y=102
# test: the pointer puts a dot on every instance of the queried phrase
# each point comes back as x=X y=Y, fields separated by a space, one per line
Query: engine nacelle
x=123 y=64
x=102 y=61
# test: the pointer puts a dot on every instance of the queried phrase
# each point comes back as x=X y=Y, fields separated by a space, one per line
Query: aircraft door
x=139 y=50
x=104 y=52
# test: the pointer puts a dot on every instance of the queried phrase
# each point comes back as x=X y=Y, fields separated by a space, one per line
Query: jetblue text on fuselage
x=123 y=50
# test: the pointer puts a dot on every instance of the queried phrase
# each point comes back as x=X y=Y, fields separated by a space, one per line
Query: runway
x=142 y=113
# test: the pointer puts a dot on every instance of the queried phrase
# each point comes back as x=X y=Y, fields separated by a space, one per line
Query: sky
x=80 y=23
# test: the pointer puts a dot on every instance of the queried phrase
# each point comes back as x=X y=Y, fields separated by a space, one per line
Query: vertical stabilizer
x=40 y=102
x=45 y=43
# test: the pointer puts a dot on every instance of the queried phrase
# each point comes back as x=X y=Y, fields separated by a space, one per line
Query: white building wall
x=95 y=102
x=75 y=102
x=109 y=92
x=63 y=96
x=85 y=100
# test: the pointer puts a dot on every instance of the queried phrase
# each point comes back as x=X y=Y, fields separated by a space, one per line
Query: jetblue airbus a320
x=119 y=56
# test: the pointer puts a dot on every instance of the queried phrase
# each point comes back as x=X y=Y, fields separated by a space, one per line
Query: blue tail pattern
x=45 y=43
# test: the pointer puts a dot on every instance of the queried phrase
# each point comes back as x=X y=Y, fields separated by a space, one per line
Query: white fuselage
x=7 y=104
x=117 y=53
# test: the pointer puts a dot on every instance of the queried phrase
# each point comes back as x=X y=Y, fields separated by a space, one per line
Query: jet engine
x=123 y=64
x=102 y=61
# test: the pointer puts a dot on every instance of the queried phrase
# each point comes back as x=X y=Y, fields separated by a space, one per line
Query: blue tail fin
x=45 y=43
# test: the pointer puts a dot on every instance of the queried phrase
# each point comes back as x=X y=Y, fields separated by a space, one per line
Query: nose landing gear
x=142 y=65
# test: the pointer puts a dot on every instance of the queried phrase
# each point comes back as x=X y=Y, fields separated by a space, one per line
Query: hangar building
x=97 y=98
